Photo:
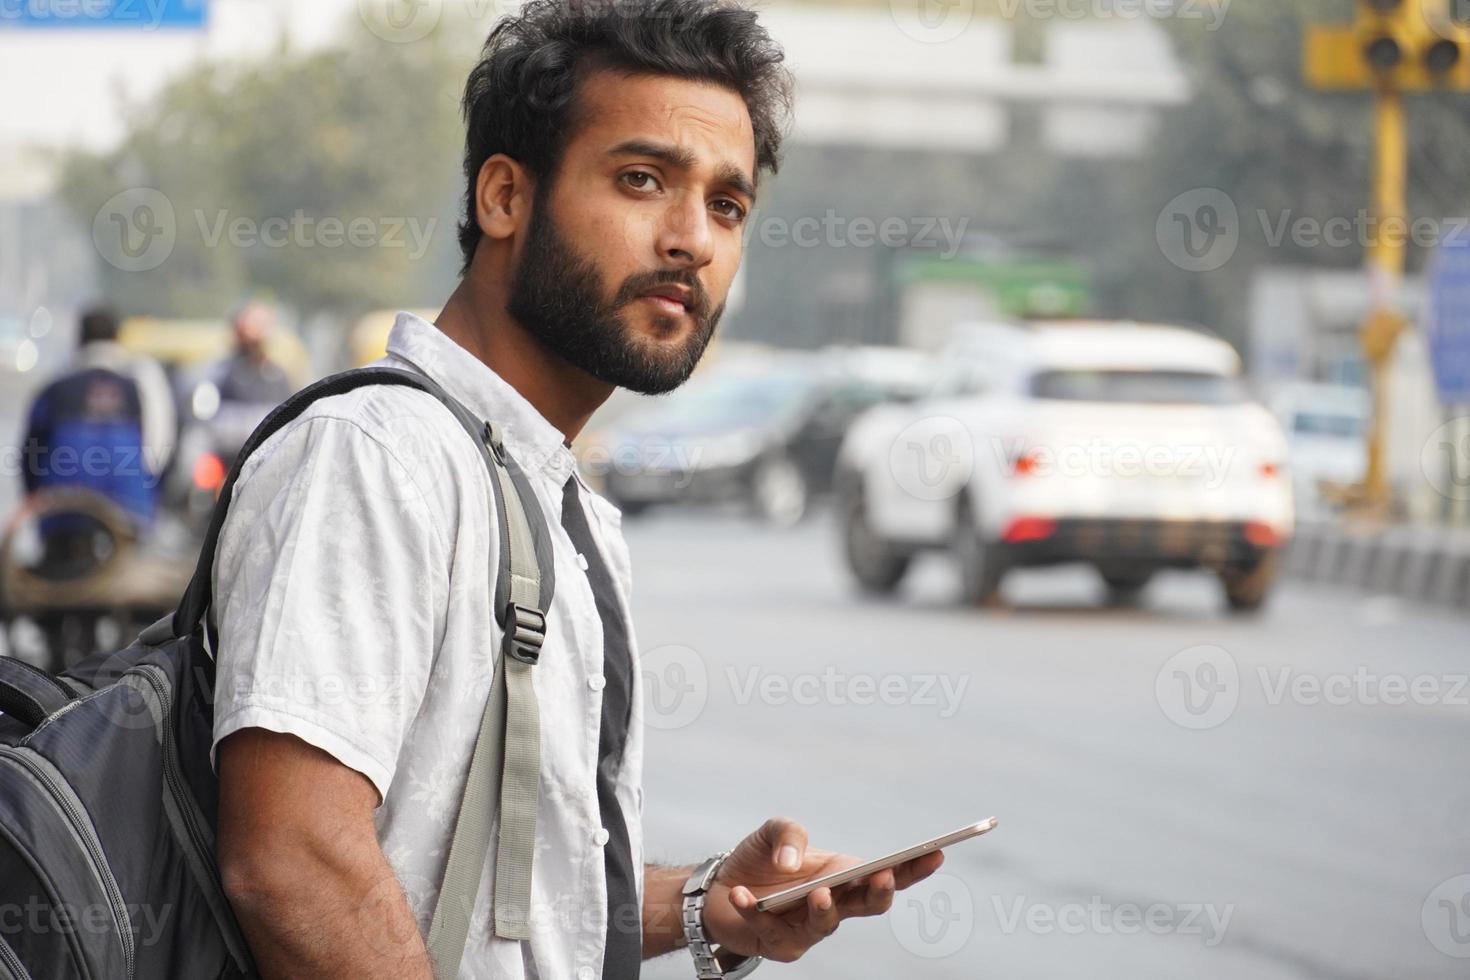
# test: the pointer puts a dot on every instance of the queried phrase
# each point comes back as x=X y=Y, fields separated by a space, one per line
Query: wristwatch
x=706 y=956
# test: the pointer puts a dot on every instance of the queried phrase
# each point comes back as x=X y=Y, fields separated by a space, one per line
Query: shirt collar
x=536 y=443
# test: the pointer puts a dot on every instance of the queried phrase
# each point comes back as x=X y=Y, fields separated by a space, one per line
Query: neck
x=565 y=395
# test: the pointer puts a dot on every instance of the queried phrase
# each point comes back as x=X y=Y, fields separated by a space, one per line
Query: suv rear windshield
x=1138 y=387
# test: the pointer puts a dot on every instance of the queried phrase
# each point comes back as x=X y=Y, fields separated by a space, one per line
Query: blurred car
x=1326 y=431
x=761 y=433
x=1133 y=448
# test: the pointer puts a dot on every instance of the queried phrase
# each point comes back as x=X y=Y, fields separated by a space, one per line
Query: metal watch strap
x=706 y=955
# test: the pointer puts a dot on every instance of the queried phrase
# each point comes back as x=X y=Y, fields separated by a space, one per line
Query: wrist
x=663 y=931
x=711 y=960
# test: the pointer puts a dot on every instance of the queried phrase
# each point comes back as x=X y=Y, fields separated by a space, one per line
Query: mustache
x=635 y=286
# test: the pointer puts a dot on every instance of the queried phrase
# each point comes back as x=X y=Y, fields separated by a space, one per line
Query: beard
x=556 y=295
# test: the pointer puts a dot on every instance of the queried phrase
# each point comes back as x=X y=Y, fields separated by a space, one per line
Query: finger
x=787 y=842
x=912 y=872
x=778 y=938
x=823 y=917
x=873 y=898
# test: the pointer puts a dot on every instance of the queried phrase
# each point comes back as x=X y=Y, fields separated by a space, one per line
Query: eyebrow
x=684 y=159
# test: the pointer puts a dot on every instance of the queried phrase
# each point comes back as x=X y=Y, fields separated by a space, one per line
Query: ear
x=503 y=192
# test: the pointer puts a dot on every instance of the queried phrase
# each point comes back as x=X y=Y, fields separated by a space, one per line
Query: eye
x=735 y=211
x=639 y=180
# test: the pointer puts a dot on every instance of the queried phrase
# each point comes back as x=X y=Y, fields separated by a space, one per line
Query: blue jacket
x=86 y=430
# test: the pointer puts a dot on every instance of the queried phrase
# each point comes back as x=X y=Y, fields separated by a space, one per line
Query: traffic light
x=1400 y=45
x=1385 y=34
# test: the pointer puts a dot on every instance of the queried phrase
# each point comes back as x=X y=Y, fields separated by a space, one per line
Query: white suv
x=1129 y=447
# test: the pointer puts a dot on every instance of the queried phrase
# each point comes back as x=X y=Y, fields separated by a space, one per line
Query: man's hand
x=775 y=857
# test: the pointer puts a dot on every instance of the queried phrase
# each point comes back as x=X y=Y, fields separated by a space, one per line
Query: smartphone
x=790 y=896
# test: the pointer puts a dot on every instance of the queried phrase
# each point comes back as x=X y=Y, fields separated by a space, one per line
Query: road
x=1181 y=793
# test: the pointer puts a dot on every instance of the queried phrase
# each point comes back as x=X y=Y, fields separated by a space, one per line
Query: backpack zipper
x=83 y=830
x=189 y=811
x=171 y=774
x=10 y=963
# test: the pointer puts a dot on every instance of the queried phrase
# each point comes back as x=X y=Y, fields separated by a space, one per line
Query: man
x=248 y=375
x=612 y=156
x=106 y=424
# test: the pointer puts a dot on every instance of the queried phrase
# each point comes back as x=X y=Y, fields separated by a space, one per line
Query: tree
x=329 y=179
x=1281 y=152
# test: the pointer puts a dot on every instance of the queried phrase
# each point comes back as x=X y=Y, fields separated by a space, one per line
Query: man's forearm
x=663 y=895
x=325 y=924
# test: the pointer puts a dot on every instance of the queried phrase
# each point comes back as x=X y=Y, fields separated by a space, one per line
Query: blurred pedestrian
x=249 y=375
x=106 y=424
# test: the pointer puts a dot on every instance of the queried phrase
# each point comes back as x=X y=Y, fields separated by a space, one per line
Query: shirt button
x=600 y=836
x=582 y=561
x=597 y=682
x=585 y=973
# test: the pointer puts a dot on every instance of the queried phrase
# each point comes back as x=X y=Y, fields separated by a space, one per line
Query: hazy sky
x=65 y=86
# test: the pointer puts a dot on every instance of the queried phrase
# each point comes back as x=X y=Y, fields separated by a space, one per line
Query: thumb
x=786 y=840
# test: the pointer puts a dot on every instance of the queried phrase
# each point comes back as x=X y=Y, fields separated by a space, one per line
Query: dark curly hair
x=520 y=99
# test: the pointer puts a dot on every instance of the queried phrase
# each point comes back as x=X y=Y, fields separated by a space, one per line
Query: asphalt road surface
x=1181 y=793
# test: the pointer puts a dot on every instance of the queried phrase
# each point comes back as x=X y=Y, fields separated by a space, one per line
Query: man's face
x=253 y=327
x=650 y=196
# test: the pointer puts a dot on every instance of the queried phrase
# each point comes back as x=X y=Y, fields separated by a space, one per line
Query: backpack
x=108 y=801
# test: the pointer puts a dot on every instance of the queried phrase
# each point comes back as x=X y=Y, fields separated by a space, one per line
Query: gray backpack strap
x=505 y=769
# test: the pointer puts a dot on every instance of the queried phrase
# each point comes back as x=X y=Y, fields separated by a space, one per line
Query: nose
x=684 y=236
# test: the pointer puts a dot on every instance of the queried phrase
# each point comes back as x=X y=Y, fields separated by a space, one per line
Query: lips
x=674 y=294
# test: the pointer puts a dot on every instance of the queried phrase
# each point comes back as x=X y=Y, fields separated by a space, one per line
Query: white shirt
x=354 y=591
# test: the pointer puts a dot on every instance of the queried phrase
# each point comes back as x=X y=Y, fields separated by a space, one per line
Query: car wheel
x=1247 y=588
x=1125 y=587
x=980 y=561
x=779 y=491
x=875 y=565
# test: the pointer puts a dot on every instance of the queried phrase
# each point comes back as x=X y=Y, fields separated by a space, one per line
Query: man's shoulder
x=403 y=425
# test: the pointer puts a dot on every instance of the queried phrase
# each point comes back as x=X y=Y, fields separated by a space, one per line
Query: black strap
x=196 y=601
x=29 y=694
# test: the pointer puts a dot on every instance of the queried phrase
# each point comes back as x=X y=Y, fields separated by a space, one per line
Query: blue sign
x=1447 y=319
x=110 y=14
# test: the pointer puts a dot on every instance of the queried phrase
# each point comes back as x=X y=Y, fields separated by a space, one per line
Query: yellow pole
x=1386 y=272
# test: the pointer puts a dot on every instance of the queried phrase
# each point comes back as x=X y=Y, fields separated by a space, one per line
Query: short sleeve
x=331 y=582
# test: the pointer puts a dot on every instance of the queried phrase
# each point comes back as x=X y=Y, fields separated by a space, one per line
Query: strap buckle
x=492 y=439
x=525 y=632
